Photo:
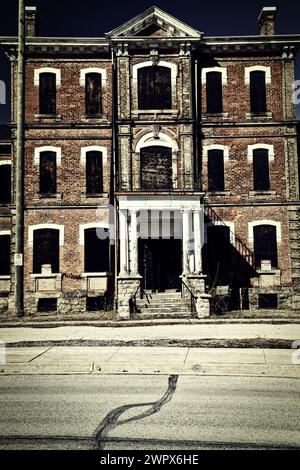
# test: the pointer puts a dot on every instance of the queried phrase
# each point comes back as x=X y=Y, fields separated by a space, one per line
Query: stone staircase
x=168 y=304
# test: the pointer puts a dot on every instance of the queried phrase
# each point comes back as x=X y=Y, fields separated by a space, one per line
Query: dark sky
x=96 y=17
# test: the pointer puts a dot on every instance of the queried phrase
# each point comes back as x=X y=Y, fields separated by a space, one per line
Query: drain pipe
x=19 y=162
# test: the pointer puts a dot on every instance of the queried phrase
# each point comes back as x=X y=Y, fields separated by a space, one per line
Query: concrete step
x=149 y=316
x=160 y=311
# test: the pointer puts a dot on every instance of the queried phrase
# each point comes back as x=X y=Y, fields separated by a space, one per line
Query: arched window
x=216 y=180
x=261 y=177
x=47 y=172
x=5 y=183
x=93 y=94
x=4 y=255
x=214 y=99
x=156 y=168
x=154 y=87
x=265 y=245
x=94 y=172
x=46 y=249
x=47 y=93
x=96 y=250
x=258 y=95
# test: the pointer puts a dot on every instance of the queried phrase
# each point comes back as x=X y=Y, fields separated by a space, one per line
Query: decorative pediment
x=154 y=22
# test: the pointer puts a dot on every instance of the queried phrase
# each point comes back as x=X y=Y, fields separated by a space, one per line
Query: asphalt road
x=148 y=412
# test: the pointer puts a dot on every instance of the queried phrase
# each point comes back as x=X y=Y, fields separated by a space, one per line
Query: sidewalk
x=191 y=335
x=154 y=361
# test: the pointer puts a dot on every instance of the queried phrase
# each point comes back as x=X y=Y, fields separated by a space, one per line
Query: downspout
x=19 y=223
x=115 y=171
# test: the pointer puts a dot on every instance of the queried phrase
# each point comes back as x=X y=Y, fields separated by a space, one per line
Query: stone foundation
x=127 y=287
x=196 y=283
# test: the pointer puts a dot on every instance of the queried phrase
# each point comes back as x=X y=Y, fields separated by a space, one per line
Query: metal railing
x=156 y=183
x=239 y=244
x=192 y=297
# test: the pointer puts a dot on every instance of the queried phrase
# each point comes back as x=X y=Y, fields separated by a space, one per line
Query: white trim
x=100 y=71
x=269 y=147
x=222 y=70
x=5 y=162
x=148 y=63
x=149 y=140
x=37 y=72
x=93 y=148
x=224 y=148
x=83 y=227
x=47 y=148
x=257 y=68
x=61 y=229
x=5 y=232
x=251 y=226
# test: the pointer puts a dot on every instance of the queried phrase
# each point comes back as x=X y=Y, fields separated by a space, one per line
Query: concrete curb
x=133 y=323
x=265 y=343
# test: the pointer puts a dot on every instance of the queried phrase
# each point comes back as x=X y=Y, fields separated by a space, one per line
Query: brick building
x=160 y=171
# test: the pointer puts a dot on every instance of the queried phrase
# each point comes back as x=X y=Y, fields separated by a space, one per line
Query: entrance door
x=160 y=264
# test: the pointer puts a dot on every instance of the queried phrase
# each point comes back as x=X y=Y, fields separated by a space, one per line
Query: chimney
x=30 y=22
x=266 y=21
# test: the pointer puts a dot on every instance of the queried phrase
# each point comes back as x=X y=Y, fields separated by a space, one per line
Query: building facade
x=156 y=159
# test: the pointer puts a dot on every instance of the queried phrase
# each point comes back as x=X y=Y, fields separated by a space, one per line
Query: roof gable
x=154 y=22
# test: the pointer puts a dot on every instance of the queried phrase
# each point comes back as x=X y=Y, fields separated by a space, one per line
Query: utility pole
x=19 y=165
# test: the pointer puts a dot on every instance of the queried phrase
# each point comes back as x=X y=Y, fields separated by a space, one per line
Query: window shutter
x=5 y=184
x=94 y=173
x=48 y=173
x=265 y=245
x=261 y=170
x=46 y=249
x=154 y=88
x=258 y=95
x=93 y=94
x=216 y=170
x=47 y=93
x=214 y=98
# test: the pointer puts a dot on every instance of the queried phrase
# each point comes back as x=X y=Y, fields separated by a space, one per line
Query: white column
x=123 y=242
x=186 y=241
x=134 y=244
x=197 y=241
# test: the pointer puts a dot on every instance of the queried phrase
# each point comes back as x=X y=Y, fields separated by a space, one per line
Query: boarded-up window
x=4 y=255
x=5 y=184
x=94 y=172
x=219 y=248
x=154 y=88
x=47 y=93
x=46 y=249
x=261 y=170
x=47 y=172
x=93 y=94
x=258 y=96
x=156 y=168
x=216 y=170
x=214 y=100
x=265 y=245
x=96 y=250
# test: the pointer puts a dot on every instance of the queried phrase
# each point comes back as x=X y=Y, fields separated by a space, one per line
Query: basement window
x=93 y=94
x=47 y=305
x=5 y=184
x=216 y=181
x=258 y=95
x=94 y=172
x=95 y=304
x=48 y=93
x=154 y=88
x=4 y=255
x=214 y=99
x=47 y=172
x=268 y=301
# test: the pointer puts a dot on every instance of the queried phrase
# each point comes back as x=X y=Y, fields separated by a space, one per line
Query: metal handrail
x=193 y=298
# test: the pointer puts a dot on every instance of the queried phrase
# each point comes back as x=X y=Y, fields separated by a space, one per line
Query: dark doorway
x=160 y=264
x=156 y=168
x=218 y=263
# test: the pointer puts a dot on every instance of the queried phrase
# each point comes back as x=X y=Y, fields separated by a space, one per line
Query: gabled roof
x=154 y=22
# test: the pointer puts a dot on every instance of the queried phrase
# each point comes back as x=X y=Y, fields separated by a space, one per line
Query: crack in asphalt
x=111 y=420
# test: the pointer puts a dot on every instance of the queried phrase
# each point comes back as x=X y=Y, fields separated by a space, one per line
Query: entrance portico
x=160 y=225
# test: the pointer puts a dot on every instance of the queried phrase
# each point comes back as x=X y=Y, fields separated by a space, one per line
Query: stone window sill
x=54 y=117
x=219 y=193
x=93 y=117
x=215 y=115
x=57 y=196
x=273 y=271
x=266 y=115
x=262 y=193
x=100 y=274
x=5 y=277
x=167 y=112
